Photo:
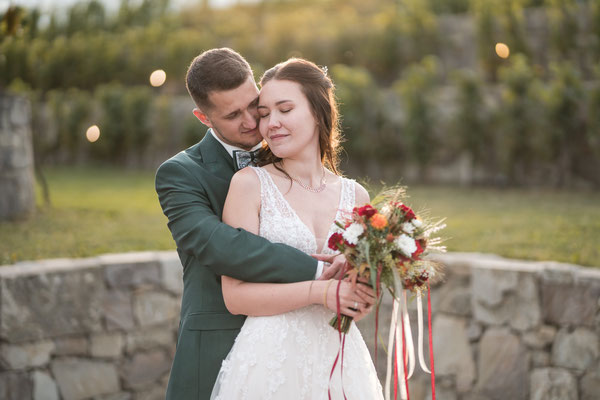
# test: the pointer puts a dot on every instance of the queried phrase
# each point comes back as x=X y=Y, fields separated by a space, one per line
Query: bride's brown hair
x=319 y=90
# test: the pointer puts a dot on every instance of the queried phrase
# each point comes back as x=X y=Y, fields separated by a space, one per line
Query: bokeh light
x=93 y=133
x=502 y=50
x=158 y=77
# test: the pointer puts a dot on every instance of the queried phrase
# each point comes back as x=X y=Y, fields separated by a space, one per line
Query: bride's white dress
x=290 y=356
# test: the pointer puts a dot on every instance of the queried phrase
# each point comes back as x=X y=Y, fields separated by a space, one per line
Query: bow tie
x=242 y=158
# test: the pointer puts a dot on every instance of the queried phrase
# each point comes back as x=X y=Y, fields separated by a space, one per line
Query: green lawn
x=98 y=211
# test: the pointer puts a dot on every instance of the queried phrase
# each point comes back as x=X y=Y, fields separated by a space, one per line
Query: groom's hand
x=334 y=267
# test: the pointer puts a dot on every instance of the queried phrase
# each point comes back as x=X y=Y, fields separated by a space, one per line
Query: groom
x=191 y=188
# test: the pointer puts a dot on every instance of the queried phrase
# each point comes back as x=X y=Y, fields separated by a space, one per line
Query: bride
x=286 y=348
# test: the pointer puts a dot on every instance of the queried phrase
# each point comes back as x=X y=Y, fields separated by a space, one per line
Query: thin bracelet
x=325 y=293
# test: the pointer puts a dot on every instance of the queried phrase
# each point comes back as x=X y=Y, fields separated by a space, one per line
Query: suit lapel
x=216 y=159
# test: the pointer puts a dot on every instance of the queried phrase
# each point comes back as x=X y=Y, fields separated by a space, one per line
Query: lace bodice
x=280 y=223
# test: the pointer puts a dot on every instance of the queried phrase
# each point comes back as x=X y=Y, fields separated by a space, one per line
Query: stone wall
x=506 y=329
x=105 y=328
x=101 y=328
x=17 y=197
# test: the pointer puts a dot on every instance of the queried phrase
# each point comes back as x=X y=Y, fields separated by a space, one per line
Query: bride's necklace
x=319 y=189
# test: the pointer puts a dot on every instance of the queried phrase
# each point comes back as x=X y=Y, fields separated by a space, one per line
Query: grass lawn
x=98 y=211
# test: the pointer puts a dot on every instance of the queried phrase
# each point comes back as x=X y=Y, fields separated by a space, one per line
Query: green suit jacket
x=192 y=187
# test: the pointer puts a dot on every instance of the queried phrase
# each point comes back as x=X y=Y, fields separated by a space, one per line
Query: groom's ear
x=202 y=117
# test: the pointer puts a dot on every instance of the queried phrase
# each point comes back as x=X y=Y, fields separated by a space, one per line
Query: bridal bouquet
x=384 y=242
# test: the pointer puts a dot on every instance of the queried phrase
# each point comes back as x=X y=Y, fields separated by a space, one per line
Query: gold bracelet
x=325 y=293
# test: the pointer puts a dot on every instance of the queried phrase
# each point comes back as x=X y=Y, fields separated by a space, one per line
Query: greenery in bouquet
x=385 y=242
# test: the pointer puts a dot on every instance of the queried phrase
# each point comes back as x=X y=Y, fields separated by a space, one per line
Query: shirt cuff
x=319 y=270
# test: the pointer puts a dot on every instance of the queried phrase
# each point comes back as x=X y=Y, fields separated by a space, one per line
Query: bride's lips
x=276 y=137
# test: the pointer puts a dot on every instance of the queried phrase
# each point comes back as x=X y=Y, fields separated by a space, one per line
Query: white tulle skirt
x=290 y=356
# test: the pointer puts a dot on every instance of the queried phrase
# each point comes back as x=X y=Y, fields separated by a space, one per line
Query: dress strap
x=348 y=194
x=271 y=198
x=265 y=183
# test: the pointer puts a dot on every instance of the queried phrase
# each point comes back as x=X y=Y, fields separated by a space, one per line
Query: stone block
x=540 y=359
x=15 y=386
x=118 y=311
x=106 y=345
x=558 y=273
x=80 y=378
x=45 y=305
x=115 y=396
x=454 y=296
x=503 y=366
x=506 y=297
x=541 y=337
x=553 y=384
x=570 y=304
x=151 y=308
x=21 y=356
x=171 y=272
x=452 y=352
x=144 y=369
x=577 y=349
x=474 y=331
x=130 y=270
x=590 y=385
x=155 y=393
x=149 y=338
x=71 y=346
x=44 y=387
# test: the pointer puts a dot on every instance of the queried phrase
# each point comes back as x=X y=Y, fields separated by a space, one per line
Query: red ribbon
x=342 y=341
x=430 y=342
x=377 y=283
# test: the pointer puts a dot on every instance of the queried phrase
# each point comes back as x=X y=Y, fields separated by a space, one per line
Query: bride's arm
x=241 y=210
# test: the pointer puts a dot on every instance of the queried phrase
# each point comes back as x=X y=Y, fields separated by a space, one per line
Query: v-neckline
x=291 y=209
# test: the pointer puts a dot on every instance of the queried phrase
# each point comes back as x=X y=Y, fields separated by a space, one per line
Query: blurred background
x=489 y=110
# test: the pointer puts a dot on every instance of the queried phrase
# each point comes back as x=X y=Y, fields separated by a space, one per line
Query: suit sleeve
x=199 y=232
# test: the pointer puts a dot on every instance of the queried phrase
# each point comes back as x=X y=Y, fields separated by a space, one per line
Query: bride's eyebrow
x=277 y=103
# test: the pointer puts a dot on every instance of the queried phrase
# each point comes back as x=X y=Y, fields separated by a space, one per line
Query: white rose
x=406 y=245
x=352 y=233
x=417 y=223
x=408 y=227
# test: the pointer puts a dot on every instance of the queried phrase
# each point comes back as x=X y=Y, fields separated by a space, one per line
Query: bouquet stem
x=345 y=323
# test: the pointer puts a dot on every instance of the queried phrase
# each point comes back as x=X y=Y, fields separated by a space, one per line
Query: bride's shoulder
x=245 y=179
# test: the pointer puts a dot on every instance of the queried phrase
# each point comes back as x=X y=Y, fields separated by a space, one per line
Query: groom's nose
x=250 y=119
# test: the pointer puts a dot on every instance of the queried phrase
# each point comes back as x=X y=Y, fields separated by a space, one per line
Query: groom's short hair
x=215 y=70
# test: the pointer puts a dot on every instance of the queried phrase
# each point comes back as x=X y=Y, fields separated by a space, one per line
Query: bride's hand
x=334 y=267
x=355 y=302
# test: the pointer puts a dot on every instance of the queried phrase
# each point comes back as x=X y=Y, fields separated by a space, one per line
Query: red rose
x=419 y=249
x=408 y=212
x=366 y=211
x=335 y=240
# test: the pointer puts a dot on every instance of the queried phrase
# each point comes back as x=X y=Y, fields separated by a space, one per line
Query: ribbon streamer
x=400 y=343
x=410 y=347
x=420 y=324
x=430 y=342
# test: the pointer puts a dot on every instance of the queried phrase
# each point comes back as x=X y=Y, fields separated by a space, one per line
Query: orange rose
x=378 y=221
